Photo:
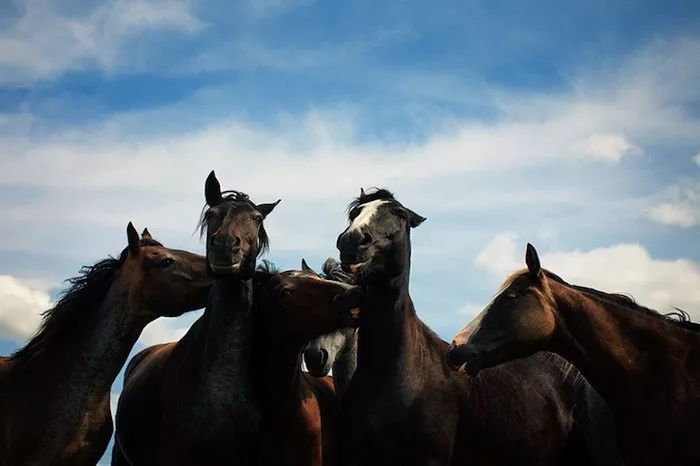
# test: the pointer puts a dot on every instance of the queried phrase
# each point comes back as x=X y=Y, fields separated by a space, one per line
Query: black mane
x=235 y=197
x=678 y=317
x=375 y=195
x=86 y=290
x=333 y=271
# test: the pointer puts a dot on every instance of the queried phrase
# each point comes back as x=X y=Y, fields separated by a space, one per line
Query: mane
x=332 y=270
x=678 y=317
x=375 y=195
x=85 y=290
x=235 y=197
x=267 y=267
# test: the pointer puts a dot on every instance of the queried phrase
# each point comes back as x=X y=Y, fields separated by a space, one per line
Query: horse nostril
x=366 y=239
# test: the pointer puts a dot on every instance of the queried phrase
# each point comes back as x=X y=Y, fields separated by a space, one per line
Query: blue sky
x=575 y=126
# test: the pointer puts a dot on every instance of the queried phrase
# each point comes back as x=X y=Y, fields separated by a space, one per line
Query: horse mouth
x=354 y=267
x=225 y=268
x=460 y=357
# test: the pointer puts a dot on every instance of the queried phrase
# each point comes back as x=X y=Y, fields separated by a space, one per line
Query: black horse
x=404 y=405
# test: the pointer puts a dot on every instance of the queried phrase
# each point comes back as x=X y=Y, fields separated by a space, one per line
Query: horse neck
x=280 y=368
x=344 y=365
x=609 y=344
x=227 y=332
x=390 y=329
x=79 y=367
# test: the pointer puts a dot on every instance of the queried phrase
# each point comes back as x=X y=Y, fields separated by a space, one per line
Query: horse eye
x=167 y=262
x=286 y=292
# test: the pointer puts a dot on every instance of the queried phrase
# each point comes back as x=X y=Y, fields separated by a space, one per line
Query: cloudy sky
x=575 y=127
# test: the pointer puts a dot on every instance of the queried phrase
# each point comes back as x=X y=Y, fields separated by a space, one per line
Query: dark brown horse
x=54 y=392
x=297 y=411
x=194 y=401
x=646 y=365
x=404 y=405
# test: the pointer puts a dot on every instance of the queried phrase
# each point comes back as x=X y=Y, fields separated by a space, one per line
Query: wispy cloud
x=680 y=205
x=45 y=41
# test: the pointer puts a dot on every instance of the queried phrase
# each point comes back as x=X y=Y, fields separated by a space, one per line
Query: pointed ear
x=362 y=193
x=414 y=219
x=532 y=260
x=265 y=209
x=305 y=267
x=212 y=190
x=133 y=237
x=146 y=234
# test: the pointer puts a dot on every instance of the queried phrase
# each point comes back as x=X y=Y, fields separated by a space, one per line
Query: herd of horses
x=547 y=374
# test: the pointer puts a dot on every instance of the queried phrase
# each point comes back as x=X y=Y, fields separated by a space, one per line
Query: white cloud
x=605 y=146
x=696 y=159
x=500 y=255
x=624 y=268
x=21 y=305
x=682 y=215
x=165 y=330
x=45 y=42
x=681 y=206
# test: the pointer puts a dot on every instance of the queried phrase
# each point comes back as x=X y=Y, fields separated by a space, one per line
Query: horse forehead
x=369 y=210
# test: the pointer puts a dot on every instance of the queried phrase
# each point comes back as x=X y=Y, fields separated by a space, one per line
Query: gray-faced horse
x=404 y=404
x=336 y=350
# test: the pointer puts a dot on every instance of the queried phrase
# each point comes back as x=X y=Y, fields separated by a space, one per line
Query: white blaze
x=368 y=211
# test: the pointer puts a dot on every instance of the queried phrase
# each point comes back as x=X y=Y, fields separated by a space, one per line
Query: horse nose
x=350 y=241
x=316 y=358
x=226 y=241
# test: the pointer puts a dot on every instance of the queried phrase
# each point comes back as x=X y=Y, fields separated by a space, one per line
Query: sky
x=571 y=125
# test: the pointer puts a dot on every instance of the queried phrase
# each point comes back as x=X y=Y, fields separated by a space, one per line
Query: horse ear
x=133 y=237
x=305 y=267
x=532 y=260
x=212 y=190
x=362 y=193
x=146 y=234
x=414 y=219
x=265 y=209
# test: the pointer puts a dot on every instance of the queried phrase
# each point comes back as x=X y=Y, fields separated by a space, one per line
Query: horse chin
x=354 y=267
x=228 y=269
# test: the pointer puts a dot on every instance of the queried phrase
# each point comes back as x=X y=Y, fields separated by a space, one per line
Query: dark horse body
x=645 y=365
x=55 y=392
x=295 y=411
x=404 y=405
x=198 y=405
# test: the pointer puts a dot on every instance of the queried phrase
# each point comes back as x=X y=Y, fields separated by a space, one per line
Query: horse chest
x=401 y=428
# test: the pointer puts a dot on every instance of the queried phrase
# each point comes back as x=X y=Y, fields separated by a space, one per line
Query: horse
x=404 y=405
x=646 y=365
x=336 y=350
x=298 y=409
x=55 y=391
x=194 y=401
